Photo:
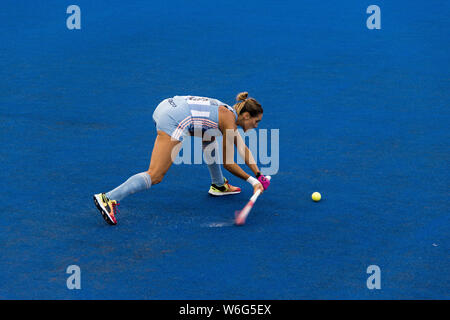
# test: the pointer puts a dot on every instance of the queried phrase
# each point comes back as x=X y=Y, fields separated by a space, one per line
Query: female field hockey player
x=191 y=115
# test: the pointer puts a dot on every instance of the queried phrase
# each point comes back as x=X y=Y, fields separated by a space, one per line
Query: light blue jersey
x=185 y=114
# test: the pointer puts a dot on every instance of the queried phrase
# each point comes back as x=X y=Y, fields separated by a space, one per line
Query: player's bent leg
x=160 y=163
x=164 y=153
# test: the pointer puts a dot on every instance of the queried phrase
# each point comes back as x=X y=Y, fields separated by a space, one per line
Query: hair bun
x=242 y=96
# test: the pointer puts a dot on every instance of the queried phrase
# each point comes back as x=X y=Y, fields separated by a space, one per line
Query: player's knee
x=156 y=177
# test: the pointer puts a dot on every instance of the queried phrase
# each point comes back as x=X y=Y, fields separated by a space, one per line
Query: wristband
x=253 y=181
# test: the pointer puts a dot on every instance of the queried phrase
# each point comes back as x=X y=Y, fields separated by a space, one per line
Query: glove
x=263 y=180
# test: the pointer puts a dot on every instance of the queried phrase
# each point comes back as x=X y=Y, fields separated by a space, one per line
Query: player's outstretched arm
x=246 y=154
x=230 y=136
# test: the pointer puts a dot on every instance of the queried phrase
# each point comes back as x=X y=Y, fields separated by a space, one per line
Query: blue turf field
x=363 y=118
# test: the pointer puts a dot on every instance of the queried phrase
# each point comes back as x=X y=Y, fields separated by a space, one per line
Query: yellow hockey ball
x=316 y=196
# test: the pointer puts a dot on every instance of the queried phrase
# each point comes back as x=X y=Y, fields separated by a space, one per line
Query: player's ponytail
x=245 y=104
x=242 y=96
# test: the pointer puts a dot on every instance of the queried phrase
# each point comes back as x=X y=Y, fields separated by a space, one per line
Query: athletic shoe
x=224 y=190
x=106 y=207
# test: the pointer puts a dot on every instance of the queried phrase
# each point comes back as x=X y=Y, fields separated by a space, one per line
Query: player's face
x=252 y=122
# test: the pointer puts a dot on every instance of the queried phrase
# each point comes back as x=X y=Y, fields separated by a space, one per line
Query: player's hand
x=257 y=187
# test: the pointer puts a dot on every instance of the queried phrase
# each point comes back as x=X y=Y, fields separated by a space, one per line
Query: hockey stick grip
x=257 y=193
